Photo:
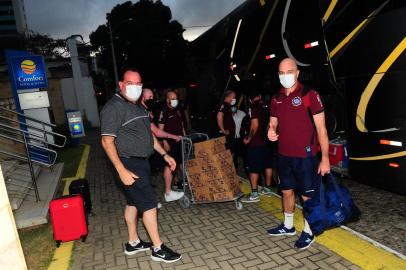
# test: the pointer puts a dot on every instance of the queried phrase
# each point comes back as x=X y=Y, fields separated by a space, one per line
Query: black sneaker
x=141 y=246
x=165 y=254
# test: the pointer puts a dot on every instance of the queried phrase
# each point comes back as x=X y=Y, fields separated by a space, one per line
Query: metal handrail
x=28 y=117
x=18 y=133
x=43 y=130
x=30 y=141
x=22 y=158
x=33 y=134
x=39 y=129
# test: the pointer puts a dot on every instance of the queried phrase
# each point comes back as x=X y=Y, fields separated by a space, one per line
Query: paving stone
x=268 y=265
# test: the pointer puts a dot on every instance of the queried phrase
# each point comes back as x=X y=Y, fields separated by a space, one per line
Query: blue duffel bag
x=332 y=206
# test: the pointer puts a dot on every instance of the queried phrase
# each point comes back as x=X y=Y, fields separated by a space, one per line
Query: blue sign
x=29 y=72
x=75 y=124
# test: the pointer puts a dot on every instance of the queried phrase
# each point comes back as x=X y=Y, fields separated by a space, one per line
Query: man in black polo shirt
x=128 y=142
x=171 y=121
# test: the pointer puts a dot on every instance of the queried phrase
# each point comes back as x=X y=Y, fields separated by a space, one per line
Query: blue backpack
x=332 y=206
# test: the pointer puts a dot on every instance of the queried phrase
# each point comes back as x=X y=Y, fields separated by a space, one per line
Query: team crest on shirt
x=296 y=101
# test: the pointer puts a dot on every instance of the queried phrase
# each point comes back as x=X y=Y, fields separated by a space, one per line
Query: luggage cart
x=188 y=154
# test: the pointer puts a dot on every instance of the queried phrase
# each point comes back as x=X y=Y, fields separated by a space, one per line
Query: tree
x=146 y=37
x=35 y=43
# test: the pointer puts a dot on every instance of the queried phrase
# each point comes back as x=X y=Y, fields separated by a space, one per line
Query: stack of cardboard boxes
x=211 y=173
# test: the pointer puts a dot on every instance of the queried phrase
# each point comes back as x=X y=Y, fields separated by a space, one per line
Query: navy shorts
x=140 y=194
x=259 y=158
x=299 y=174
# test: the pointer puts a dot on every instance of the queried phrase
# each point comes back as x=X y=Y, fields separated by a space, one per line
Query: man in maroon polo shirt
x=171 y=121
x=226 y=122
x=259 y=153
x=147 y=100
x=293 y=110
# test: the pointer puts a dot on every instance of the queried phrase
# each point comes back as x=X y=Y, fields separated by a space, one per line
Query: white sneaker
x=158 y=205
x=173 y=196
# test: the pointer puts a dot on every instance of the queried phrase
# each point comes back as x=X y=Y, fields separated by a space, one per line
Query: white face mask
x=233 y=101
x=287 y=80
x=133 y=92
x=174 y=103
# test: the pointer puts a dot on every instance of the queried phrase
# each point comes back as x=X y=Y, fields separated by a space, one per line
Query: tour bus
x=352 y=52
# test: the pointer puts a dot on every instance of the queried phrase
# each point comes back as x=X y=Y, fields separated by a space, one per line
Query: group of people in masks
x=296 y=123
x=246 y=138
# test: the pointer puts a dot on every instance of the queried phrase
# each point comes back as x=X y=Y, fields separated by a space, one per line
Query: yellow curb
x=61 y=258
x=349 y=246
x=63 y=254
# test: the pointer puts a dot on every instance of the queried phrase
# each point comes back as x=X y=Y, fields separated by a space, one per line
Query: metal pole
x=34 y=181
x=114 y=56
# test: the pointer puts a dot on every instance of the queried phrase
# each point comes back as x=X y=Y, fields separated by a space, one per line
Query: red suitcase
x=68 y=219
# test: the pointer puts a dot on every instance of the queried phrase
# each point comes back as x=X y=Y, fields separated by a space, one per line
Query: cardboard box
x=213 y=176
x=202 y=196
x=196 y=181
x=206 y=148
x=225 y=196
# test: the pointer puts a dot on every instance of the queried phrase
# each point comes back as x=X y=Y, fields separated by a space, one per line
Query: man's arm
x=157 y=147
x=220 y=123
x=253 y=130
x=273 y=127
x=165 y=142
x=126 y=176
x=160 y=133
x=319 y=121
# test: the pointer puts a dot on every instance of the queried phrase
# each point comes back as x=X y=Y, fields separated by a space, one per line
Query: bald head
x=288 y=74
x=172 y=99
x=171 y=95
x=147 y=94
x=288 y=63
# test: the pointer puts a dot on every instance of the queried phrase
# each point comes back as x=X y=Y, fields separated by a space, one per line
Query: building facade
x=13 y=20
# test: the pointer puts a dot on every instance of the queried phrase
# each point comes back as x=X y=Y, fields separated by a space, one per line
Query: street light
x=112 y=46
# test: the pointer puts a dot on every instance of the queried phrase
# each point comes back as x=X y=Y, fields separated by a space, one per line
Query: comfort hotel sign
x=29 y=72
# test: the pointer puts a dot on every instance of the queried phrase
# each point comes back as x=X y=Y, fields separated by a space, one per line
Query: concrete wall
x=68 y=94
x=88 y=104
x=56 y=101
x=11 y=253
x=5 y=90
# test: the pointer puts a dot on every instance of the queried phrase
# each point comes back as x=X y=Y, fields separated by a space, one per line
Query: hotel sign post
x=29 y=72
x=28 y=76
x=26 y=72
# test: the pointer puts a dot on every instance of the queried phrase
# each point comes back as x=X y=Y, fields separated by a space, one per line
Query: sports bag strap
x=337 y=189
x=322 y=202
